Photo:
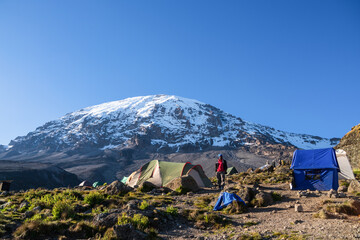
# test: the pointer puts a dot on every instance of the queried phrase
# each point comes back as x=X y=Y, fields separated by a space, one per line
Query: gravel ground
x=279 y=218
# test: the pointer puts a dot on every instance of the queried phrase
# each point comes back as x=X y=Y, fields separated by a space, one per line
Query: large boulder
x=246 y=194
x=262 y=199
x=186 y=182
x=235 y=207
x=106 y=219
x=354 y=186
x=117 y=187
x=146 y=187
x=128 y=232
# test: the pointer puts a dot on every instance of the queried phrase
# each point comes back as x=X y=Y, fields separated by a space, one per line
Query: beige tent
x=346 y=171
x=160 y=173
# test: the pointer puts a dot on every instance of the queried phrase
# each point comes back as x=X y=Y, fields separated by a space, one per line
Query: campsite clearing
x=277 y=221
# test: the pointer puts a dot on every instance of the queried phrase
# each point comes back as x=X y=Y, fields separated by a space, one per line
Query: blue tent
x=315 y=169
x=225 y=199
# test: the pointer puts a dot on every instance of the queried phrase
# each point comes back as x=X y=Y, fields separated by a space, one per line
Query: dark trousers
x=221 y=179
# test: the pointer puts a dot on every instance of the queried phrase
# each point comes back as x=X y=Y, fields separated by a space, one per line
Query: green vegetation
x=171 y=210
x=276 y=196
x=144 y=205
x=139 y=221
x=251 y=223
x=281 y=174
x=63 y=209
x=204 y=202
x=357 y=173
x=94 y=198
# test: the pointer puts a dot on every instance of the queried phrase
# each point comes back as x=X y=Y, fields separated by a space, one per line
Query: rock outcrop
x=351 y=144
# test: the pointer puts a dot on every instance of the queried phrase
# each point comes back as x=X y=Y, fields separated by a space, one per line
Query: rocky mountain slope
x=112 y=139
x=351 y=144
x=33 y=175
x=3 y=148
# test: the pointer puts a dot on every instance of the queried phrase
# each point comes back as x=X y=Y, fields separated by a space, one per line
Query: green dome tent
x=160 y=173
x=231 y=171
x=96 y=184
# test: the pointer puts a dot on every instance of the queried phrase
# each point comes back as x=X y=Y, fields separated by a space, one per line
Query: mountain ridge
x=117 y=134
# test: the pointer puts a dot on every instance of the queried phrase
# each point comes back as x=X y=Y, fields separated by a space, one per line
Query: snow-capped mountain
x=165 y=122
x=115 y=135
x=3 y=148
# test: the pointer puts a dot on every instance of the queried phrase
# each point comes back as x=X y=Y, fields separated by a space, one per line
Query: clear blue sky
x=292 y=65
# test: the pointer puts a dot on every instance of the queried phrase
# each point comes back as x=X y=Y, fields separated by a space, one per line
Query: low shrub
x=182 y=190
x=322 y=214
x=139 y=221
x=94 y=198
x=144 y=205
x=39 y=230
x=63 y=209
x=276 y=196
x=345 y=208
x=251 y=223
x=171 y=210
x=204 y=203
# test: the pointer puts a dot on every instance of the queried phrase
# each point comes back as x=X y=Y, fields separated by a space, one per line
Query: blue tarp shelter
x=315 y=169
x=225 y=199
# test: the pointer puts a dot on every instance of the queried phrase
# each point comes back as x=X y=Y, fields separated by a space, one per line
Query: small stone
x=24 y=204
x=298 y=208
x=7 y=204
x=28 y=214
x=37 y=209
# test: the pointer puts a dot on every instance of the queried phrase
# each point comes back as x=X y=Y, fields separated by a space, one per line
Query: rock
x=298 y=208
x=236 y=207
x=106 y=219
x=262 y=199
x=117 y=187
x=342 y=188
x=7 y=204
x=354 y=186
x=355 y=204
x=246 y=194
x=24 y=204
x=186 y=182
x=132 y=205
x=258 y=170
x=46 y=212
x=4 y=193
x=81 y=208
x=303 y=194
x=128 y=232
x=29 y=214
x=332 y=193
x=147 y=187
x=249 y=170
x=341 y=195
x=37 y=209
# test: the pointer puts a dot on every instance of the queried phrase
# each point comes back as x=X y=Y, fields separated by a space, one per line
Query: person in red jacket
x=220 y=169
